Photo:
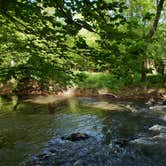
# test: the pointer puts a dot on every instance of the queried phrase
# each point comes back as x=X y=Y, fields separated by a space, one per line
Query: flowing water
x=25 y=129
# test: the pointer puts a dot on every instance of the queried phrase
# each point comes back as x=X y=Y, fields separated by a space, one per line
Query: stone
x=76 y=137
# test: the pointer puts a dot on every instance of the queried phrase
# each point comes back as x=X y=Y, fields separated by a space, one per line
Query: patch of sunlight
x=46 y=99
x=108 y=106
x=90 y=37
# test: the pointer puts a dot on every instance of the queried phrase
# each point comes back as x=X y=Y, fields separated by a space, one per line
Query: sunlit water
x=25 y=130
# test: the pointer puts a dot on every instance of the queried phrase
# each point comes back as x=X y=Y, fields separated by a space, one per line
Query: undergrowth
x=111 y=82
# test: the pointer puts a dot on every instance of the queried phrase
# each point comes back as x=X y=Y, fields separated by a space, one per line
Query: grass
x=91 y=80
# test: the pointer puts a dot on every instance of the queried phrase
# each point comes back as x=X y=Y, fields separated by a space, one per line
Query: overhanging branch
x=79 y=23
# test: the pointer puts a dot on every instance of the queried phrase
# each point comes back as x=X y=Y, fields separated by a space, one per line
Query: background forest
x=96 y=43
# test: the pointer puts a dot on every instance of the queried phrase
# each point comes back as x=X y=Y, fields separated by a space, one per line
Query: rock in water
x=76 y=137
x=158 y=128
x=121 y=142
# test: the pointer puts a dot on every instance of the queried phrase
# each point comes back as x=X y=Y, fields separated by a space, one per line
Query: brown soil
x=142 y=93
x=136 y=93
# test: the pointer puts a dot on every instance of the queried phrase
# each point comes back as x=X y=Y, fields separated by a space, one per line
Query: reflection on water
x=24 y=132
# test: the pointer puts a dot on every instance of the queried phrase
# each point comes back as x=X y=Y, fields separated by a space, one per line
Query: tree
x=33 y=42
x=151 y=33
x=41 y=39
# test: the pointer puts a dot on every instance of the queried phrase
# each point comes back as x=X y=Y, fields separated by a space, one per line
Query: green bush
x=112 y=82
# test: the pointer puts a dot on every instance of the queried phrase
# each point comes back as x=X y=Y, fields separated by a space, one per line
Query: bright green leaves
x=44 y=40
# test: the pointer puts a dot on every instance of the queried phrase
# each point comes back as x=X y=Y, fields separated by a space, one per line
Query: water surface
x=25 y=130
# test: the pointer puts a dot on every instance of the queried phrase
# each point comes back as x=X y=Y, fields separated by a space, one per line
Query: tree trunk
x=131 y=8
x=143 y=72
x=150 y=34
x=156 y=20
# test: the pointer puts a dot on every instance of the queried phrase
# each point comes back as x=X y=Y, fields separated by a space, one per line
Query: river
x=25 y=130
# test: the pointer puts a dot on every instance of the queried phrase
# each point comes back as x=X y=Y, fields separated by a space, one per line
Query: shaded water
x=26 y=130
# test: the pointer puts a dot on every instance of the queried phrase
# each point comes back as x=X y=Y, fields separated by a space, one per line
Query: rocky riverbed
x=88 y=152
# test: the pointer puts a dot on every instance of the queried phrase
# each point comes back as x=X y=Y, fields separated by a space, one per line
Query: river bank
x=136 y=93
x=95 y=84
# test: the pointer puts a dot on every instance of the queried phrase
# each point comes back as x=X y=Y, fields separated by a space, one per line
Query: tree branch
x=78 y=23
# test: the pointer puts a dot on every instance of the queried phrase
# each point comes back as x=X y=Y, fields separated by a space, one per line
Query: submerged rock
x=76 y=137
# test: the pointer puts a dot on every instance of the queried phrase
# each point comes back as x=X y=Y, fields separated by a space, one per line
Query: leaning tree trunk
x=150 y=34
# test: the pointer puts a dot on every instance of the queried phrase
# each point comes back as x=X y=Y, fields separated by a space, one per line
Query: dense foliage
x=49 y=40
